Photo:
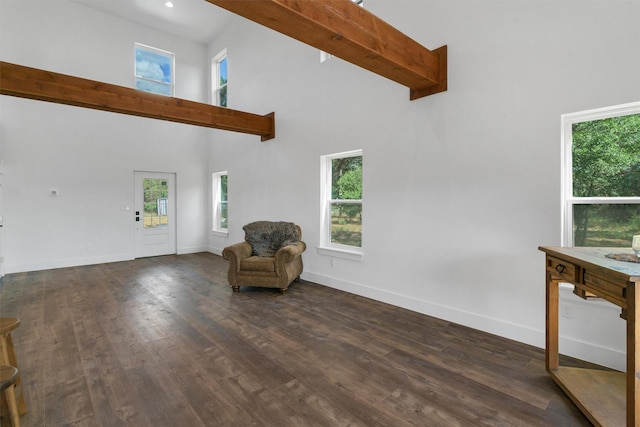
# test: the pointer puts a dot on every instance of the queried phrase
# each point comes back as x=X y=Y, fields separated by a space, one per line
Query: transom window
x=154 y=70
x=341 y=190
x=220 y=202
x=601 y=188
x=220 y=79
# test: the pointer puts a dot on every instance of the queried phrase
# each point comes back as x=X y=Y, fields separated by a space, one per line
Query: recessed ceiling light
x=169 y=4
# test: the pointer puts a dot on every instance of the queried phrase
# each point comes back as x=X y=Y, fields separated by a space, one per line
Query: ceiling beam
x=350 y=32
x=33 y=83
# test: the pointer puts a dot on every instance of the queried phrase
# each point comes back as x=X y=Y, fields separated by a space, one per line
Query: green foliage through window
x=156 y=193
x=224 y=215
x=219 y=188
x=346 y=207
x=606 y=164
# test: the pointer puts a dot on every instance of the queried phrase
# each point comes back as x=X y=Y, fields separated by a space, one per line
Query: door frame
x=140 y=250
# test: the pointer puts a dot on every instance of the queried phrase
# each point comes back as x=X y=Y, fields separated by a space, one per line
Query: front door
x=155 y=208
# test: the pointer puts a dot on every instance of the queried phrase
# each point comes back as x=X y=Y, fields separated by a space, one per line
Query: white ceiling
x=196 y=20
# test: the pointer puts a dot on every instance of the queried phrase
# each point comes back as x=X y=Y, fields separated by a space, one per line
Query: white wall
x=90 y=156
x=460 y=188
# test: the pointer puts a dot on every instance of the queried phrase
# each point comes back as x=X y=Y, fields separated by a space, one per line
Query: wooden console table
x=607 y=398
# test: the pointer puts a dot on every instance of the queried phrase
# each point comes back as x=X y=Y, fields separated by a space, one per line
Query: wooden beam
x=33 y=83
x=350 y=32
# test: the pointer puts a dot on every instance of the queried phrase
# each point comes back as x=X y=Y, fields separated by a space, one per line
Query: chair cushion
x=266 y=237
x=256 y=263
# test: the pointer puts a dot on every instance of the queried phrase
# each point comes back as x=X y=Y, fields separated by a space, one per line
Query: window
x=220 y=210
x=219 y=71
x=341 y=190
x=601 y=174
x=154 y=70
x=156 y=202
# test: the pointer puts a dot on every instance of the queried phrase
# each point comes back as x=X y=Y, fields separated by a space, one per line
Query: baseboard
x=215 y=251
x=192 y=250
x=570 y=346
x=77 y=262
x=593 y=353
x=581 y=319
x=72 y=262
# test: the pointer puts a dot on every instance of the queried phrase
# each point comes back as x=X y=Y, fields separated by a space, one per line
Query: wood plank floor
x=164 y=342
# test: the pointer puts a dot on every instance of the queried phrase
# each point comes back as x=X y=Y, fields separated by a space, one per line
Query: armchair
x=269 y=257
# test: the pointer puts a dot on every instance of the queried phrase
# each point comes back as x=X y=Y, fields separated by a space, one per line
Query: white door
x=155 y=214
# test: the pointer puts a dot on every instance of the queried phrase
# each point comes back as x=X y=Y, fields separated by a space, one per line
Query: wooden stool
x=8 y=358
x=8 y=377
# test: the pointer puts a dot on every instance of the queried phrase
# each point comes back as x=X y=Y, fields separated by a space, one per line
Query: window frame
x=166 y=53
x=216 y=88
x=216 y=203
x=327 y=247
x=568 y=200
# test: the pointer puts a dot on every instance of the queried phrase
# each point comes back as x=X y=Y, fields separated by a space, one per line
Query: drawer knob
x=560 y=268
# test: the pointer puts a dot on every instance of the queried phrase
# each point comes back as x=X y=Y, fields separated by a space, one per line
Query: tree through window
x=343 y=199
x=156 y=203
x=220 y=201
x=602 y=176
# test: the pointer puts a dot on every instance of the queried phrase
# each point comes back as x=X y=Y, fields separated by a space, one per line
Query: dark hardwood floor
x=164 y=342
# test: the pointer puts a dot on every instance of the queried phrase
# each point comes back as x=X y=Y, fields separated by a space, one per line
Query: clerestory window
x=220 y=79
x=154 y=70
x=324 y=55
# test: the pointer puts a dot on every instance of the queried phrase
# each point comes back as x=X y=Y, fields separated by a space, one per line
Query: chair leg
x=8 y=357
x=13 y=405
x=13 y=361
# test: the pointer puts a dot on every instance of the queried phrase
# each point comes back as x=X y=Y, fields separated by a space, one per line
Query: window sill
x=220 y=233
x=341 y=253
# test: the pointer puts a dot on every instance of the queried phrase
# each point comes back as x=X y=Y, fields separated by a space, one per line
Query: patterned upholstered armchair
x=269 y=257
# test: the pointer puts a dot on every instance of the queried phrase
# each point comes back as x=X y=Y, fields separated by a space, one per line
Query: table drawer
x=561 y=270
x=602 y=287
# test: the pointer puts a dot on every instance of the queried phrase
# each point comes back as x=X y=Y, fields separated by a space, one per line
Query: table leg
x=552 y=358
x=633 y=356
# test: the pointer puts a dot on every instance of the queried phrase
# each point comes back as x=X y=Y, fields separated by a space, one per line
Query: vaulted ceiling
x=339 y=27
x=195 y=20
x=335 y=26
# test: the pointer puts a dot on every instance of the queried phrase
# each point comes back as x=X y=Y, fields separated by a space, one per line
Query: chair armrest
x=290 y=252
x=237 y=252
